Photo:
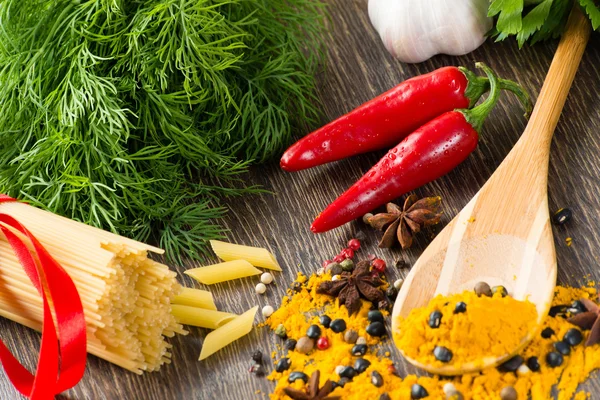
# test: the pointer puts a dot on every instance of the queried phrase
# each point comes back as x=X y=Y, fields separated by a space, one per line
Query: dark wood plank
x=358 y=68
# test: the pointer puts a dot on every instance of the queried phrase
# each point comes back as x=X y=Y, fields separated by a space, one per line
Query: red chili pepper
x=391 y=116
x=428 y=153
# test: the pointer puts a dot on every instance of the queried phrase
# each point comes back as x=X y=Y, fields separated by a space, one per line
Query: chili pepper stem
x=517 y=90
x=478 y=85
x=477 y=115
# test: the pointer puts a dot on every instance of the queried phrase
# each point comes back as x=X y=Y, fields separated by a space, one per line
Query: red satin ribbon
x=62 y=355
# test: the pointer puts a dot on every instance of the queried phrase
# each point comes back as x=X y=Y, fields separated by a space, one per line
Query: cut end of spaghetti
x=126 y=296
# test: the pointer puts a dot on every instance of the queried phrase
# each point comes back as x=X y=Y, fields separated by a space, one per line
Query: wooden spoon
x=503 y=235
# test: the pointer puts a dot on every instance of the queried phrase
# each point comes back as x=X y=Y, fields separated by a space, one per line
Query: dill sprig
x=125 y=114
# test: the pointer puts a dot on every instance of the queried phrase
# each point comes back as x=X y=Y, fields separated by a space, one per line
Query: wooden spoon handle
x=553 y=95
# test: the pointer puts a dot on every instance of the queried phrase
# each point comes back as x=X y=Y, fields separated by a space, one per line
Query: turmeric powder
x=302 y=308
x=489 y=327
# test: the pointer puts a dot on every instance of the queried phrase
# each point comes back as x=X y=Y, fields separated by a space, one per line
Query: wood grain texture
x=358 y=68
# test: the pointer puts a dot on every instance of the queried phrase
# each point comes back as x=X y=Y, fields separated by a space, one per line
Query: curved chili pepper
x=428 y=153
x=391 y=116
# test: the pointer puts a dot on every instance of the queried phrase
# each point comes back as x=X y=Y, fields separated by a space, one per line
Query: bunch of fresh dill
x=123 y=113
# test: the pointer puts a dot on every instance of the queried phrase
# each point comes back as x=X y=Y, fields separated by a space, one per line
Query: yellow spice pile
x=471 y=335
x=302 y=308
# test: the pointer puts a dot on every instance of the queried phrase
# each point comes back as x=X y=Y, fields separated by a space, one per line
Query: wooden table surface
x=358 y=68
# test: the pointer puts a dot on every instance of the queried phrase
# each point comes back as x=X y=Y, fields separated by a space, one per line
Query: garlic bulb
x=415 y=30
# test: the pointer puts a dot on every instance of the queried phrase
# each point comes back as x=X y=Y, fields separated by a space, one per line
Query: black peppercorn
x=257 y=356
x=374 y=316
x=313 y=332
x=554 y=359
x=342 y=382
x=392 y=293
x=573 y=337
x=418 y=392
x=573 y=311
x=562 y=216
x=376 y=329
x=283 y=365
x=376 y=379
x=361 y=365
x=562 y=348
x=460 y=307
x=385 y=396
x=577 y=304
x=500 y=289
x=338 y=325
x=348 y=372
x=512 y=364
x=547 y=333
x=294 y=376
x=260 y=371
x=442 y=354
x=435 y=319
x=558 y=311
x=359 y=350
x=290 y=344
x=533 y=364
x=325 y=321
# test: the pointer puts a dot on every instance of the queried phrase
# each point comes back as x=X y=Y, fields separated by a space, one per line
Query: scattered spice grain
x=301 y=308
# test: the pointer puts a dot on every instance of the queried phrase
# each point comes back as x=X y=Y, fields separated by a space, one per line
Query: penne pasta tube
x=195 y=298
x=222 y=272
x=257 y=256
x=228 y=333
x=200 y=317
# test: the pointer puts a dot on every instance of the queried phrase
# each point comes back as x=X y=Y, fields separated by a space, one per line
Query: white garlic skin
x=415 y=30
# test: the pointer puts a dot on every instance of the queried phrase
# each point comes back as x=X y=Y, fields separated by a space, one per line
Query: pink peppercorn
x=339 y=258
x=378 y=265
x=326 y=263
x=347 y=253
x=323 y=343
x=354 y=244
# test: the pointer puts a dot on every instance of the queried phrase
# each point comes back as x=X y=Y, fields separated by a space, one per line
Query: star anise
x=312 y=392
x=405 y=223
x=351 y=286
x=589 y=319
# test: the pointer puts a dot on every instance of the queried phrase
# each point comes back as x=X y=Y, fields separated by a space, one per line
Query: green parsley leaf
x=536 y=20
x=592 y=10
x=555 y=23
x=533 y=21
x=509 y=15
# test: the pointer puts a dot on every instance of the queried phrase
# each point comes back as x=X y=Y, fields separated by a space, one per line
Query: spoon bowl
x=503 y=235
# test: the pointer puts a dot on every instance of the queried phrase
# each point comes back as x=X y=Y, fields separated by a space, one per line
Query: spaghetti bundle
x=126 y=296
